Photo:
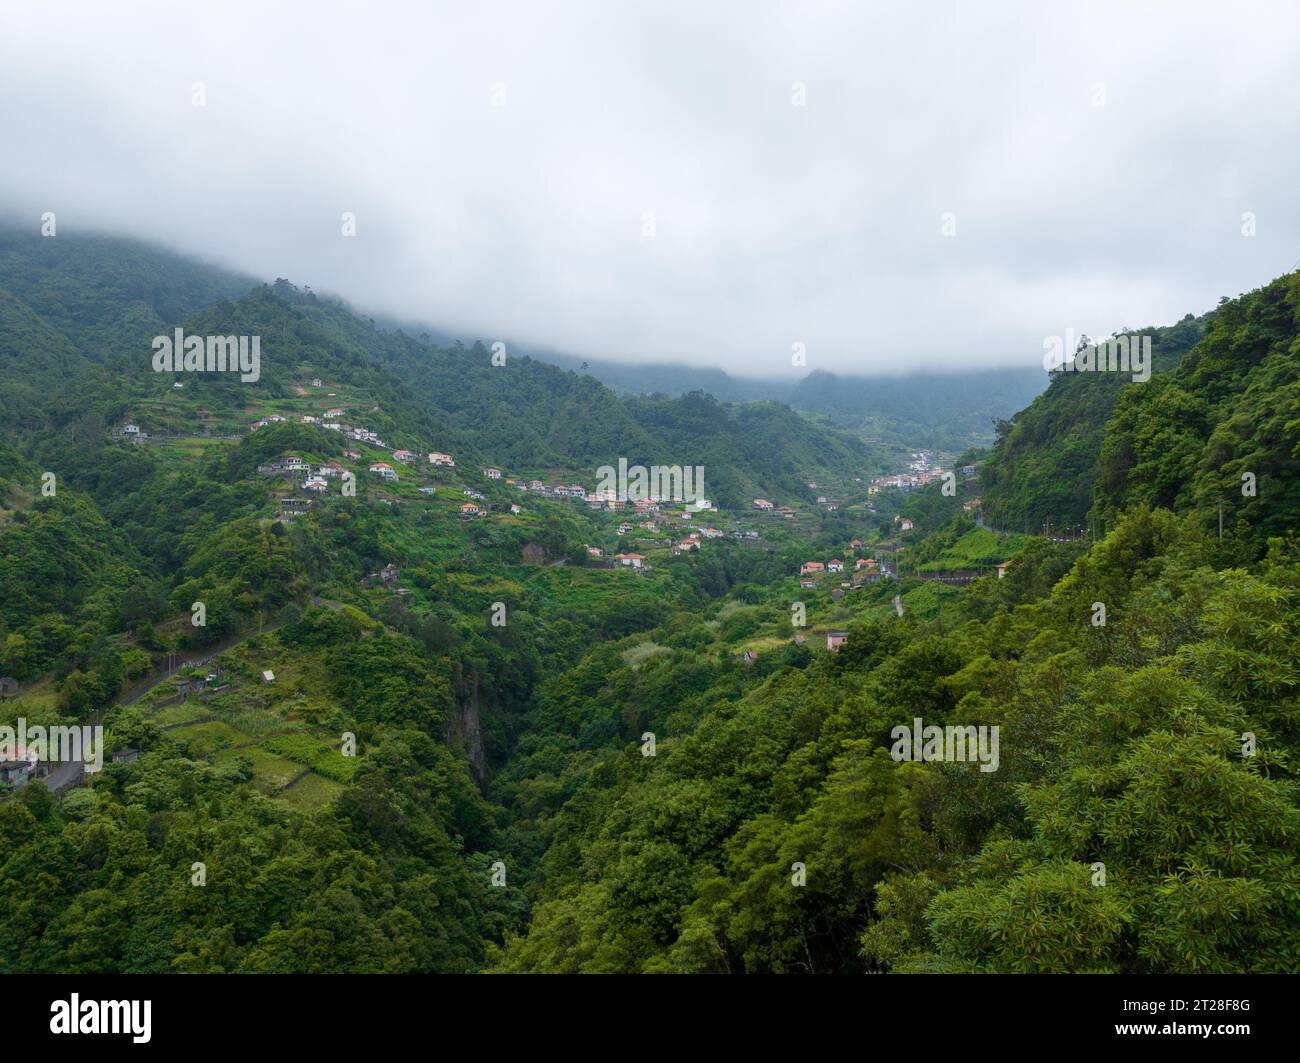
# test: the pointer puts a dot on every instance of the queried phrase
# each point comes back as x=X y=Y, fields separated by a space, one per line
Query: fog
x=892 y=186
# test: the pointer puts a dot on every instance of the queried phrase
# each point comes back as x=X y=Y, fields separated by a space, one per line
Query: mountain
x=945 y=411
x=438 y=723
x=939 y=411
x=85 y=310
x=1220 y=404
x=1045 y=460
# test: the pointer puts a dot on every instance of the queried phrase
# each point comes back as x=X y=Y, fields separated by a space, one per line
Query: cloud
x=503 y=161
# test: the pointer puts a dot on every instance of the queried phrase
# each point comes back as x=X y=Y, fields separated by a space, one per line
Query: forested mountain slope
x=1045 y=460
x=564 y=763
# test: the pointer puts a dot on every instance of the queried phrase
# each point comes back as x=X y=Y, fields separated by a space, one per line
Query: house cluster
x=386 y=576
x=21 y=768
x=555 y=491
x=262 y=422
x=921 y=470
x=865 y=569
x=356 y=433
x=315 y=477
x=130 y=432
x=683 y=546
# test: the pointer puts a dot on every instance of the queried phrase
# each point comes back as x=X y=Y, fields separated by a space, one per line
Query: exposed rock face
x=465 y=730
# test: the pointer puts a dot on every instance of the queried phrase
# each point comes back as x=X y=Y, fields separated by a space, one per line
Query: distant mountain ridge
x=943 y=410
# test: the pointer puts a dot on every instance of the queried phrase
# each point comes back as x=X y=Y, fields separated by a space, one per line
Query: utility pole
x=1220 y=520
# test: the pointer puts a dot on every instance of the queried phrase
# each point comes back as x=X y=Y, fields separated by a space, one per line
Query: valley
x=457 y=703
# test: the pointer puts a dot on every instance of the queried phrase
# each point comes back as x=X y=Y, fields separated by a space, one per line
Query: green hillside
x=446 y=723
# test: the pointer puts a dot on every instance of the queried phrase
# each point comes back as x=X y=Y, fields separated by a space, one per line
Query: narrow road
x=66 y=774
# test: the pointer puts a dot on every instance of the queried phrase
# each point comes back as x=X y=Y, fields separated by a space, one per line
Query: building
x=383 y=469
x=629 y=560
x=515 y=509
x=16 y=772
x=492 y=474
x=809 y=567
x=294 y=507
x=404 y=456
x=835 y=566
x=316 y=486
x=762 y=503
x=8 y=684
x=836 y=639
x=1002 y=568
x=786 y=512
x=469 y=509
x=445 y=460
x=907 y=525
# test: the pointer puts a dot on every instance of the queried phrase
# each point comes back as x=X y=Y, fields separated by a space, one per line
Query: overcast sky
x=501 y=160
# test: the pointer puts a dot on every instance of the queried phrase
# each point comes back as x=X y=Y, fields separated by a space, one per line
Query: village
x=649 y=527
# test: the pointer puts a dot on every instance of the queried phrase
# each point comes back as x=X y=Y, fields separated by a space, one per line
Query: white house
x=383 y=469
